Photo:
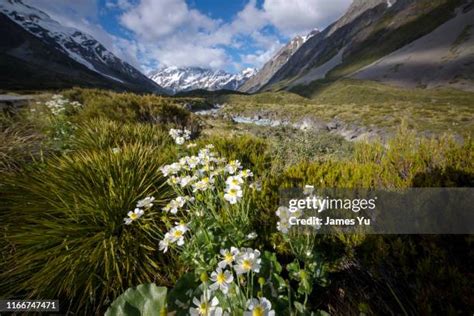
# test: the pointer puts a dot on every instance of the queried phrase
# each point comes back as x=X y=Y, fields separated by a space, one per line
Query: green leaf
x=270 y=263
x=299 y=307
x=294 y=269
x=144 y=300
x=179 y=293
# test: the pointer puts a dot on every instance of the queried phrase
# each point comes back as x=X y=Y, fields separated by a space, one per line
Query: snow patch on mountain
x=176 y=79
x=78 y=46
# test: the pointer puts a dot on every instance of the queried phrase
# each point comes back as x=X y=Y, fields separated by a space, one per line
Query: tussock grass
x=106 y=134
x=21 y=141
x=129 y=107
x=72 y=243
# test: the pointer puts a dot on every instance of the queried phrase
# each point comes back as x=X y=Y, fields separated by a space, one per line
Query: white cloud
x=175 y=34
x=169 y=32
x=260 y=57
x=298 y=16
x=189 y=54
x=118 y=4
x=155 y=19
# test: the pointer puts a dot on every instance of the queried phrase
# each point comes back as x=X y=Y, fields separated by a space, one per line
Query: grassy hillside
x=394 y=31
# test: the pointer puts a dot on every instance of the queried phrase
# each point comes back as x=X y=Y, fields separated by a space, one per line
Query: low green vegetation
x=90 y=177
x=364 y=103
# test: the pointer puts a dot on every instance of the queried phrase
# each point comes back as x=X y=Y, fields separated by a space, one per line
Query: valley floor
x=74 y=165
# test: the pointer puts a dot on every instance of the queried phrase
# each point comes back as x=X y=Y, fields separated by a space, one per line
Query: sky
x=218 y=34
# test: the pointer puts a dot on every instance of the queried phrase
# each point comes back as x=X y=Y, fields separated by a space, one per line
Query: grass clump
x=104 y=134
x=72 y=243
x=129 y=107
x=20 y=143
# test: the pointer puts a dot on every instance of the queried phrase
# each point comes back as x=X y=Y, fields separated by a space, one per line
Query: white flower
x=205 y=306
x=248 y=260
x=203 y=184
x=164 y=244
x=133 y=216
x=222 y=280
x=228 y=256
x=179 y=140
x=180 y=136
x=174 y=168
x=252 y=235
x=283 y=212
x=116 y=150
x=246 y=173
x=177 y=234
x=173 y=180
x=283 y=226
x=193 y=161
x=233 y=195
x=234 y=182
x=260 y=307
x=146 y=202
x=174 y=133
x=209 y=146
x=233 y=166
x=185 y=181
x=174 y=205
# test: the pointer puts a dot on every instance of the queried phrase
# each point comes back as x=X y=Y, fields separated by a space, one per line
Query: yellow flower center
x=233 y=192
x=247 y=264
x=133 y=216
x=178 y=233
x=235 y=182
x=258 y=311
x=220 y=278
x=203 y=308
x=228 y=257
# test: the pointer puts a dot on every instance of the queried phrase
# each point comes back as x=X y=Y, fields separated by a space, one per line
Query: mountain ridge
x=370 y=31
x=57 y=56
x=180 y=79
x=275 y=63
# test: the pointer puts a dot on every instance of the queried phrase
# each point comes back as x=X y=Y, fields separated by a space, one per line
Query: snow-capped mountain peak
x=176 y=79
x=73 y=43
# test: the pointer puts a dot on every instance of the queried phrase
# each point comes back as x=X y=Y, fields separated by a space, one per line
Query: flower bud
x=163 y=311
x=261 y=281
x=204 y=278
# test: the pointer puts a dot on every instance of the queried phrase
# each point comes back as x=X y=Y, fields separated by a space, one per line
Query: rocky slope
x=37 y=52
x=175 y=79
x=372 y=30
x=432 y=60
x=274 y=64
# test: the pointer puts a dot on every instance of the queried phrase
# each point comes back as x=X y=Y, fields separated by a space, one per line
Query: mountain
x=275 y=63
x=409 y=42
x=176 y=79
x=432 y=60
x=37 y=52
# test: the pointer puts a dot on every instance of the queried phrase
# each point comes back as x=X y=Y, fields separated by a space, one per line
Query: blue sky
x=219 y=34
